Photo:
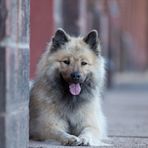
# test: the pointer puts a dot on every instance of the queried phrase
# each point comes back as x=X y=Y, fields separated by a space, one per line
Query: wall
x=41 y=27
x=14 y=73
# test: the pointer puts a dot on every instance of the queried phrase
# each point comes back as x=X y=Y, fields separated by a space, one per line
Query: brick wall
x=41 y=29
x=134 y=23
x=14 y=73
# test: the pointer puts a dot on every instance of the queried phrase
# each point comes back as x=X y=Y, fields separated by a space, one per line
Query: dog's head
x=75 y=59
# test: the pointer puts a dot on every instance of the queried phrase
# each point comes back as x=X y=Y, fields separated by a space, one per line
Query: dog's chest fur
x=75 y=116
x=64 y=99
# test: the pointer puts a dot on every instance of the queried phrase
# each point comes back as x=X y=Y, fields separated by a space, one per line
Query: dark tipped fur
x=60 y=108
x=62 y=91
x=92 y=40
x=58 y=40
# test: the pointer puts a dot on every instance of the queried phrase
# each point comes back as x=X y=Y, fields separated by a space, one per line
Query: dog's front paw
x=85 y=141
x=90 y=141
x=71 y=140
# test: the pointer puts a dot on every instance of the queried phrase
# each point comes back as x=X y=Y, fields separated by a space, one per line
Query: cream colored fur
x=50 y=120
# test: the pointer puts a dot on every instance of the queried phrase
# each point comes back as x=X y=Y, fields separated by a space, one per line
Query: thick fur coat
x=65 y=100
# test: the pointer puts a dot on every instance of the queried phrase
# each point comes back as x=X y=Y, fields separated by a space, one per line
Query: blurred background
x=122 y=27
x=123 y=32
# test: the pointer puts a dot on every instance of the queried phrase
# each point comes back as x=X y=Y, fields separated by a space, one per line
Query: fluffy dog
x=65 y=100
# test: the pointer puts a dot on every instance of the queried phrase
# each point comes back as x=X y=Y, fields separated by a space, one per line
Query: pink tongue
x=75 y=89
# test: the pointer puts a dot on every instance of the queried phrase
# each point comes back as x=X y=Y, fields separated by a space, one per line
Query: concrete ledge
x=114 y=142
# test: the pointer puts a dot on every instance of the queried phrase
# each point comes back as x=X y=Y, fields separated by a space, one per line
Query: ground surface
x=126 y=108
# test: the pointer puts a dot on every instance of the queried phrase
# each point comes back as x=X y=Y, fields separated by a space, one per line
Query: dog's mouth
x=75 y=88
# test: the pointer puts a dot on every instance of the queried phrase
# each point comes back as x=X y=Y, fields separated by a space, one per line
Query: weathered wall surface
x=14 y=73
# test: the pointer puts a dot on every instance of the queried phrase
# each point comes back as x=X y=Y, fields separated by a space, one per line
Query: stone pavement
x=126 y=108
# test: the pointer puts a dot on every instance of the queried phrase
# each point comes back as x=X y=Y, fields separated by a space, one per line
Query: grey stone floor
x=126 y=108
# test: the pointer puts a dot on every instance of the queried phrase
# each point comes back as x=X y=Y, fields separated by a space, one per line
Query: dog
x=65 y=99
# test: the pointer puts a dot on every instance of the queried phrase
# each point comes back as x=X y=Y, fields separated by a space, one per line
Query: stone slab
x=114 y=142
x=127 y=112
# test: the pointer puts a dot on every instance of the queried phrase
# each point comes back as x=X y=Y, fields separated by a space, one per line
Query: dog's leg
x=93 y=130
x=63 y=137
x=89 y=136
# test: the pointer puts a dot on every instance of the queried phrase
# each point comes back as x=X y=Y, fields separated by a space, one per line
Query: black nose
x=75 y=75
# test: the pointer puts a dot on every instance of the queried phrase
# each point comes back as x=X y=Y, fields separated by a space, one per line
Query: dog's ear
x=60 y=38
x=92 y=40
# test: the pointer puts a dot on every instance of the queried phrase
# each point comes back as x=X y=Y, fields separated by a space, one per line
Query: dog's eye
x=67 y=62
x=83 y=63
